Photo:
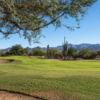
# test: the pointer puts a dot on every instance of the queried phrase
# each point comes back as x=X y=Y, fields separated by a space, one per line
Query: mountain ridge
x=94 y=47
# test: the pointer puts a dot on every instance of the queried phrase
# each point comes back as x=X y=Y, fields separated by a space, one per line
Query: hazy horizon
x=49 y=45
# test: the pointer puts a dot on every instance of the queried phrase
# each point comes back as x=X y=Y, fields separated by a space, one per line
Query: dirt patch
x=5 y=61
x=55 y=96
x=47 y=95
x=4 y=95
x=97 y=59
x=7 y=95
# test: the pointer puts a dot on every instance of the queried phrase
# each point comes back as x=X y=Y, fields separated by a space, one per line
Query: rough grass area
x=52 y=79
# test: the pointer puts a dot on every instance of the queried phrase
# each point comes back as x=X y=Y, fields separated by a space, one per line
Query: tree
x=17 y=50
x=25 y=51
x=2 y=53
x=30 y=16
x=75 y=55
x=51 y=54
x=38 y=52
x=30 y=53
x=65 y=49
x=98 y=52
x=82 y=52
x=86 y=54
x=8 y=53
x=71 y=51
x=55 y=53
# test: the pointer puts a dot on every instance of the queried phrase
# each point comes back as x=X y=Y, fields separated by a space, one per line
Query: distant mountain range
x=94 y=47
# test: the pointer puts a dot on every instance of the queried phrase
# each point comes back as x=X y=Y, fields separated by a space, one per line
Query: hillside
x=94 y=47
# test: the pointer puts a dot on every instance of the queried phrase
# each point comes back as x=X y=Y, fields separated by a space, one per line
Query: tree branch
x=25 y=28
x=7 y=33
x=30 y=28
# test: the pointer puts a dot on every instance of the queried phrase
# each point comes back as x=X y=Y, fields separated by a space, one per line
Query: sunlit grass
x=77 y=79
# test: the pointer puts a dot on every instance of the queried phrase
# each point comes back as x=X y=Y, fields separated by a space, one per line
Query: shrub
x=55 y=53
x=38 y=52
x=75 y=55
x=72 y=52
x=30 y=53
x=98 y=52
x=3 y=54
x=86 y=54
x=9 y=53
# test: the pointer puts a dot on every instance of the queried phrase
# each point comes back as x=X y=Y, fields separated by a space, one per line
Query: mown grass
x=69 y=80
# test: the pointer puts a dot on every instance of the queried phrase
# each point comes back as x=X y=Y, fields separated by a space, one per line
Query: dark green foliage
x=9 y=53
x=0 y=52
x=75 y=55
x=38 y=52
x=71 y=52
x=18 y=50
x=3 y=54
x=51 y=54
x=86 y=54
x=82 y=52
x=30 y=16
x=90 y=55
x=65 y=49
x=98 y=52
x=55 y=53
x=30 y=53
x=25 y=51
x=48 y=52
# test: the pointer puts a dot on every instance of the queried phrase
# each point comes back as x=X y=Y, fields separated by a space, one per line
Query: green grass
x=69 y=80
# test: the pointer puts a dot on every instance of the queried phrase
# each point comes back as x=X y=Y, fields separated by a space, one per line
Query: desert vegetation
x=53 y=53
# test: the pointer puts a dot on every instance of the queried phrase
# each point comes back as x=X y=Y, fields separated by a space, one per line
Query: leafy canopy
x=71 y=51
x=30 y=16
x=38 y=52
x=86 y=54
x=18 y=50
x=55 y=51
x=98 y=52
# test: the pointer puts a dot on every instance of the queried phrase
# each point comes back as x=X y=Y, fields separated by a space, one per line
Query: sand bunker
x=4 y=95
x=5 y=61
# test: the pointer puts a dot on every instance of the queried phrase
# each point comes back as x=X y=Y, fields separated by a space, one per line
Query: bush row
x=53 y=53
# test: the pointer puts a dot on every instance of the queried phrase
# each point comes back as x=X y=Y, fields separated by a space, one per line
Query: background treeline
x=74 y=54
x=53 y=53
x=18 y=50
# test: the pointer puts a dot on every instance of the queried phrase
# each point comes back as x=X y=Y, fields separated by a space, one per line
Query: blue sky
x=88 y=33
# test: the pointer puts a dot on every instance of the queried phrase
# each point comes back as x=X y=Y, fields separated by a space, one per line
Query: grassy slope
x=68 y=79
